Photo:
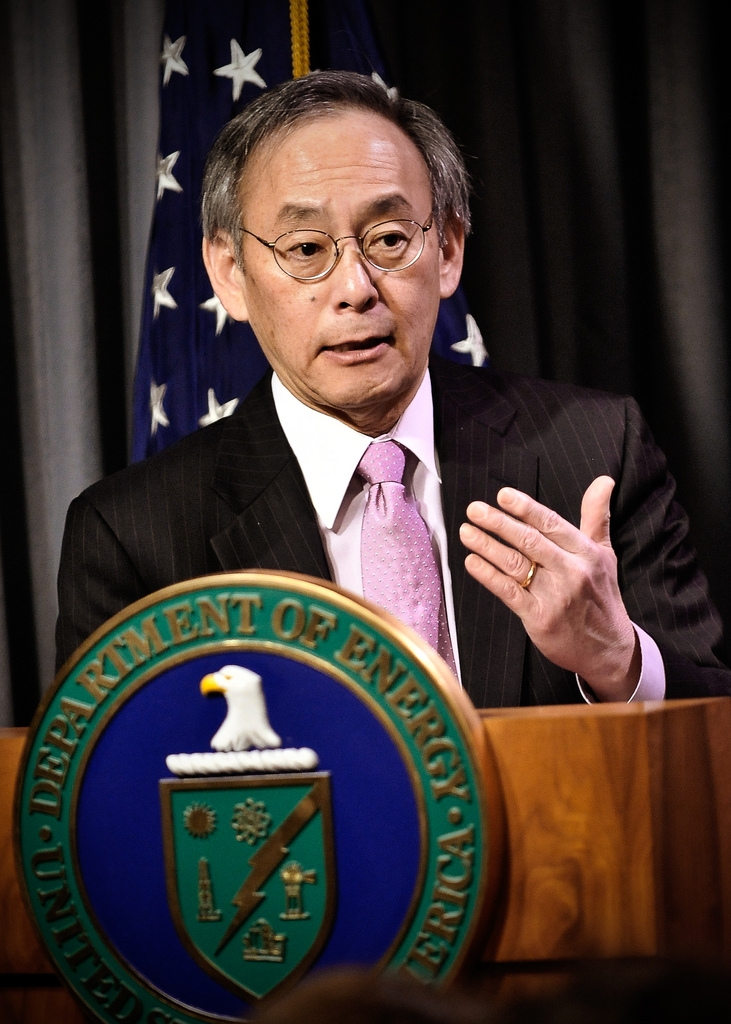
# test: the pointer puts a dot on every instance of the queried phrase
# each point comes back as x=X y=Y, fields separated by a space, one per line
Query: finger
x=595 y=510
x=508 y=560
x=497 y=530
x=539 y=532
x=504 y=587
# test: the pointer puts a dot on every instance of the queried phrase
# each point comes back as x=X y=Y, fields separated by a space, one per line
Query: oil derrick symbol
x=206 y=908
x=294 y=877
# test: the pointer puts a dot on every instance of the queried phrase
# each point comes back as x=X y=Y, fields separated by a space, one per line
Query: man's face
x=354 y=344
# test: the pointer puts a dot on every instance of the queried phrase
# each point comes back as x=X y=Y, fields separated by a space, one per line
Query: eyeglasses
x=308 y=254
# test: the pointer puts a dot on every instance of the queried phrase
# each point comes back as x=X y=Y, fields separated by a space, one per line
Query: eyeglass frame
x=339 y=252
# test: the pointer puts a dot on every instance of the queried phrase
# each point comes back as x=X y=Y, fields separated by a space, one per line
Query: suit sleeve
x=96 y=577
x=664 y=590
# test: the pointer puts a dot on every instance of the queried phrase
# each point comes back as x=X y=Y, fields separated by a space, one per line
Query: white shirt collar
x=329 y=451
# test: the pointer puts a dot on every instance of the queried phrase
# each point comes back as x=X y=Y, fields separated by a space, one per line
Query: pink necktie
x=398 y=566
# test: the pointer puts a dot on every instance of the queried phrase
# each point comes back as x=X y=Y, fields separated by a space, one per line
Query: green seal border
x=338 y=633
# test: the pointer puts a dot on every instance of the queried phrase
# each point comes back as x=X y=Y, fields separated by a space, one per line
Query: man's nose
x=353 y=276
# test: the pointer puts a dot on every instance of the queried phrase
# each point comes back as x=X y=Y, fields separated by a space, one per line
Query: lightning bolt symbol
x=269 y=856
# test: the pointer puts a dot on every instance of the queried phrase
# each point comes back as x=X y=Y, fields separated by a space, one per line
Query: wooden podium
x=618 y=825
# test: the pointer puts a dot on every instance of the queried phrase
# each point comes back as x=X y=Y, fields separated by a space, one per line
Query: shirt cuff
x=651 y=684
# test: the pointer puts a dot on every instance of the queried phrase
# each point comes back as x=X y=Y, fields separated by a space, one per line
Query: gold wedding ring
x=529 y=578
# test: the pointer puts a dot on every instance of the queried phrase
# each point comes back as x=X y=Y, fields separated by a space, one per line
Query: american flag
x=195 y=364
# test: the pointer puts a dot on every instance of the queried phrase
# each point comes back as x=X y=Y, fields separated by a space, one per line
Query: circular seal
x=245 y=776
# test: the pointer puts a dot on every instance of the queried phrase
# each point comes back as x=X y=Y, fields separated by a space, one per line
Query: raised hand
x=561 y=581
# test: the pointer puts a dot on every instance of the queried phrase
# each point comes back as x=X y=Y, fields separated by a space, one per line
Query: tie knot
x=383 y=461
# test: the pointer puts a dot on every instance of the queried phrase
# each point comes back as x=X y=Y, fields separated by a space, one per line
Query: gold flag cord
x=298 y=20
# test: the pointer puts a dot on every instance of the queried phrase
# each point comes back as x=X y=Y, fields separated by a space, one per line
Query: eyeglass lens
x=308 y=254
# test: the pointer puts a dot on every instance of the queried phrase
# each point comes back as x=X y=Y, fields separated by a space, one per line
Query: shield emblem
x=249 y=864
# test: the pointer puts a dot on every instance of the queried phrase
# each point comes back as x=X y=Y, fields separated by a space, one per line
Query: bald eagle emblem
x=245 y=741
x=248 y=825
x=246 y=723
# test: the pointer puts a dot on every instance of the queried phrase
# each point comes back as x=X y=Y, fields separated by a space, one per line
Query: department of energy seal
x=241 y=778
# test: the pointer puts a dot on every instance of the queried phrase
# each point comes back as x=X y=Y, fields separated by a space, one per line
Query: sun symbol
x=200 y=820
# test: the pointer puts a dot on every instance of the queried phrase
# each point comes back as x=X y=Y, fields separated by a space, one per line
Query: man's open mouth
x=360 y=346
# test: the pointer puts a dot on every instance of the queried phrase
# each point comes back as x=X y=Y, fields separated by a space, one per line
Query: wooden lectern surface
x=29 y=993
x=20 y=950
x=618 y=826
x=618 y=830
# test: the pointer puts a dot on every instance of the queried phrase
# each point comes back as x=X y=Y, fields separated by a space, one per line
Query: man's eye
x=304 y=250
x=390 y=240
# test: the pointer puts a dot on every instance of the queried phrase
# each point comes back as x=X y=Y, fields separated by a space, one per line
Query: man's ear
x=225 y=275
x=451 y=257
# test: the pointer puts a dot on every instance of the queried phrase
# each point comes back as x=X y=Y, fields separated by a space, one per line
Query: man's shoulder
x=153 y=472
x=192 y=458
x=473 y=386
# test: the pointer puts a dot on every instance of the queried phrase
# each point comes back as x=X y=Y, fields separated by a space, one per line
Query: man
x=334 y=221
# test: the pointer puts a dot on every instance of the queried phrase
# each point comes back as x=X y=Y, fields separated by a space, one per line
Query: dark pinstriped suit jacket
x=232 y=496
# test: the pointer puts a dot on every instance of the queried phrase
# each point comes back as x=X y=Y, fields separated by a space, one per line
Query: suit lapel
x=274 y=525
x=258 y=475
x=476 y=460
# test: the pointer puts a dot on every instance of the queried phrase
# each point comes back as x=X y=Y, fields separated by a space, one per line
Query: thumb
x=595 y=510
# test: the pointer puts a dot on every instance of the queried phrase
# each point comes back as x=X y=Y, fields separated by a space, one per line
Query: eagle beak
x=209 y=685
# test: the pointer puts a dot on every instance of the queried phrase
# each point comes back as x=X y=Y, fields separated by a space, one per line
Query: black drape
x=594 y=131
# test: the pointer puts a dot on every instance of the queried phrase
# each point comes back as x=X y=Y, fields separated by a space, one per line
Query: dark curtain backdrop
x=594 y=132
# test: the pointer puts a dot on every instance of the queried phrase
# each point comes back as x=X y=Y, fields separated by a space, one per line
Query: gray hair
x=322 y=94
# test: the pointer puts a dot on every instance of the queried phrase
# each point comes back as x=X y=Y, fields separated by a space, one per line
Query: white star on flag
x=473 y=343
x=171 y=58
x=241 y=69
x=159 y=417
x=160 y=291
x=392 y=93
x=165 y=177
x=214 y=305
x=216 y=411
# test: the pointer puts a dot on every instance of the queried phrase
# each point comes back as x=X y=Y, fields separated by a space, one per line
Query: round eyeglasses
x=307 y=254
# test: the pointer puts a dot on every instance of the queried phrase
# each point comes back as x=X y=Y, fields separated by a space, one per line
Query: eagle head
x=246 y=723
